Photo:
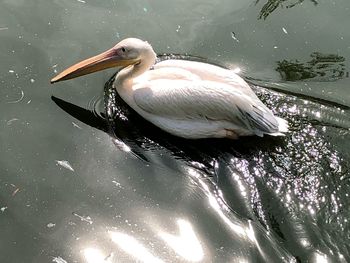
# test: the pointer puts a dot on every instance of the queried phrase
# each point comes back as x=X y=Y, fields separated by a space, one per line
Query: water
x=77 y=185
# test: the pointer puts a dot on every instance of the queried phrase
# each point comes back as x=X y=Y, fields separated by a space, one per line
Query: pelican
x=185 y=98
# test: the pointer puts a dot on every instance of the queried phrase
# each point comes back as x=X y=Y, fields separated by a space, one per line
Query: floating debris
x=76 y=125
x=109 y=257
x=32 y=80
x=51 y=225
x=284 y=30
x=11 y=71
x=233 y=35
x=84 y=218
x=54 y=68
x=178 y=28
x=58 y=260
x=9 y=122
x=145 y=9
x=117 y=184
x=3 y=28
x=82 y=1
x=2 y=209
x=15 y=191
x=21 y=98
x=65 y=164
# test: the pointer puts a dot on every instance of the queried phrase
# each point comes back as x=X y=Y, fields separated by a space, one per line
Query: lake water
x=85 y=179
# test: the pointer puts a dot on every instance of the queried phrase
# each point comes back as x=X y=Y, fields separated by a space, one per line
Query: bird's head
x=127 y=52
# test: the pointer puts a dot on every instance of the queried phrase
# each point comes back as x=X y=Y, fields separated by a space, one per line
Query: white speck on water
x=76 y=125
x=11 y=71
x=145 y=9
x=3 y=28
x=84 y=218
x=178 y=28
x=51 y=225
x=65 y=164
x=58 y=260
x=233 y=35
x=275 y=47
x=54 y=66
x=284 y=30
x=82 y=1
x=29 y=101
x=32 y=80
x=2 y=209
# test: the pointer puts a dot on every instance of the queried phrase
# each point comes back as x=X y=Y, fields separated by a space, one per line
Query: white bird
x=185 y=98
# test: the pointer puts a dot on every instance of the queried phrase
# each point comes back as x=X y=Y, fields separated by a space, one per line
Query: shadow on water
x=293 y=188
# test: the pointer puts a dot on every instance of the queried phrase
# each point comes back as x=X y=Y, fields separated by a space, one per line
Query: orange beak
x=107 y=59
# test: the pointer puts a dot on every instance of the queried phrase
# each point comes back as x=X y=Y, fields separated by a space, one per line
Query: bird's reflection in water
x=280 y=194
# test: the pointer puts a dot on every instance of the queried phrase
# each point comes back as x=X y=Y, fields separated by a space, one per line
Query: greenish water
x=84 y=179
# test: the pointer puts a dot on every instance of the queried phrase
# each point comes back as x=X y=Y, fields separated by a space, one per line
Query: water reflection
x=321 y=67
x=133 y=247
x=272 y=5
x=94 y=255
x=216 y=201
x=186 y=244
x=320 y=258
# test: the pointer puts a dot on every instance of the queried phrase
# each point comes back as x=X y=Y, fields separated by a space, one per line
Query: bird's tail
x=282 y=127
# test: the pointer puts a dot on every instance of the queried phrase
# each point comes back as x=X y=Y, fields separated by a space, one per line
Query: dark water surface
x=85 y=179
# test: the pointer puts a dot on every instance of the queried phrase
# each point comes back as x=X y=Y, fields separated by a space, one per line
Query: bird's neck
x=126 y=75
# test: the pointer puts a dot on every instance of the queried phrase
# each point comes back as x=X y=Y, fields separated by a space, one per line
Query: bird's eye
x=123 y=49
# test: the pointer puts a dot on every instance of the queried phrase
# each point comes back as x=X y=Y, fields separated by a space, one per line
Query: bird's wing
x=171 y=73
x=183 y=99
x=209 y=72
